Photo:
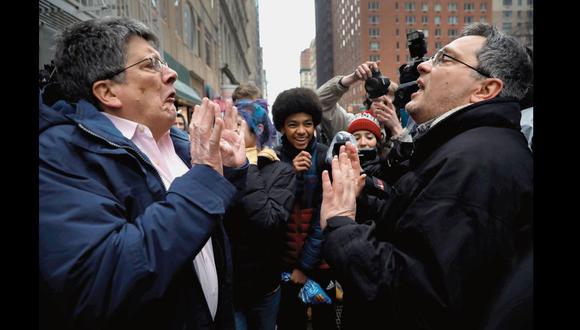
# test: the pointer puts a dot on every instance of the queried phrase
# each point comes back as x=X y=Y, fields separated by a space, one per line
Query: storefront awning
x=186 y=92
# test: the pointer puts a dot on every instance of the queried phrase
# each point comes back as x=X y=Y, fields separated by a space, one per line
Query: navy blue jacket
x=449 y=232
x=256 y=225
x=116 y=248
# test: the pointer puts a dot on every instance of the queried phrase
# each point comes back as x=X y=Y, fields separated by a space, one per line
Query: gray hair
x=92 y=50
x=503 y=57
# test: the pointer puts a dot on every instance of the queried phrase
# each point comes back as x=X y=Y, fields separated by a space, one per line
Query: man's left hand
x=232 y=144
x=339 y=197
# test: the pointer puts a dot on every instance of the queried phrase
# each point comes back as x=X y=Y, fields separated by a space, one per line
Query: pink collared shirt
x=169 y=165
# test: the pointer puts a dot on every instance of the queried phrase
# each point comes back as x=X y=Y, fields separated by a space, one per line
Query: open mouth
x=420 y=85
x=171 y=97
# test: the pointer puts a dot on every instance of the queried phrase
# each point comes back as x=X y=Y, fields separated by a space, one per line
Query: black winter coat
x=448 y=233
x=256 y=224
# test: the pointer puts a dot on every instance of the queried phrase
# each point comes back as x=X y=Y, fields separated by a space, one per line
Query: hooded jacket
x=449 y=231
x=115 y=247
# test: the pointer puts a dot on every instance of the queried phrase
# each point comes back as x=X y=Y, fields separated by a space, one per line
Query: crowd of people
x=152 y=220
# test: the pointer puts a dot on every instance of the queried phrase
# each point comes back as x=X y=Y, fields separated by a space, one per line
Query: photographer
x=335 y=118
x=380 y=106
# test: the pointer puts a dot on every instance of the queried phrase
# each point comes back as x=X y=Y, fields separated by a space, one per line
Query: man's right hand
x=205 y=136
x=362 y=72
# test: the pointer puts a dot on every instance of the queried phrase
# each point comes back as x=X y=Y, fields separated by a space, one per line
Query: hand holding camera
x=362 y=72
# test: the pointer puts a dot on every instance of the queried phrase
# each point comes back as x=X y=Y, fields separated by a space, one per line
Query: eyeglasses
x=156 y=64
x=439 y=57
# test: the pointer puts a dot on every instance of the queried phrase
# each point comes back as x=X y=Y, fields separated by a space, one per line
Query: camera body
x=377 y=85
x=408 y=72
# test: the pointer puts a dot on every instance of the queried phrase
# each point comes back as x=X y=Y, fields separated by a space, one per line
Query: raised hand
x=339 y=197
x=362 y=72
x=385 y=112
x=232 y=144
x=205 y=132
x=352 y=153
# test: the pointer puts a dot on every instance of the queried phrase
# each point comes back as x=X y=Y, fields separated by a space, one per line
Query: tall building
x=313 y=69
x=324 y=34
x=364 y=30
x=210 y=43
x=516 y=18
x=241 y=54
x=308 y=67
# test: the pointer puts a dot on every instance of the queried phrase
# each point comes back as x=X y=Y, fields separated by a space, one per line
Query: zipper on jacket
x=129 y=149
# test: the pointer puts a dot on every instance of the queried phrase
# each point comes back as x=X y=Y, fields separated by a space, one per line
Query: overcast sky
x=286 y=28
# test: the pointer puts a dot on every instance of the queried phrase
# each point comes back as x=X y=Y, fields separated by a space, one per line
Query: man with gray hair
x=458 y=222
x=130 y=219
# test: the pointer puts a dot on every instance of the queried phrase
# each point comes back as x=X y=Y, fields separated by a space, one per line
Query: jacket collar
x=292 y=151
x=85 y=115
x=501 y=112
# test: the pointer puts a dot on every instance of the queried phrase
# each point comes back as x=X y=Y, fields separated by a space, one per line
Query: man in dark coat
x=130 y=225
x=453 y=226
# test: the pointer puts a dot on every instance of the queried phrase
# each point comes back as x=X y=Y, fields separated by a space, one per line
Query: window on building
x=425 y=7
x=199 y=38
x=374 y=45
x=483 y=7
x=468 y=7
x=482 y=19
x=424 y=19
x=519 y=2
x=410 y=19
x=437 y=7
x=374 y=58
x=507 y=14
x=396 y=32
x=468 y=19
x=374 y=32
x=437 y=45
x=452 y=20
x=507 y=27
x=451 y=32
x=437 y=32
x=208 y=49
x=507 y=2
x=452 y=7
x=426 y=33
x=409 y=6
x=373 y=19
x=530 y=2
x=397 y=45
x=520 y=14
x=437 y=20
x=162 y=9
x=398 y=58
x=373 y=5
x=177 y=17
x=188 y=26
x=396 y=19
x=396 y=5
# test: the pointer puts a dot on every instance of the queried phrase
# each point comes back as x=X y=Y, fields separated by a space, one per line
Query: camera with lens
x=377 y=85
x=408 y=72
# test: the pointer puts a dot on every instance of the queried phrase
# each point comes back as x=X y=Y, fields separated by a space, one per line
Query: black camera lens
x=377 y=85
